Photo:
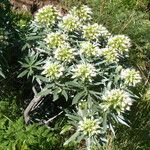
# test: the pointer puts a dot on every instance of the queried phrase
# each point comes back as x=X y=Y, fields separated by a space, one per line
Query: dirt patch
x=32 y=5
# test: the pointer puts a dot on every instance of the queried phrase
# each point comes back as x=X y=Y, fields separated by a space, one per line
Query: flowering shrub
x=82 y=62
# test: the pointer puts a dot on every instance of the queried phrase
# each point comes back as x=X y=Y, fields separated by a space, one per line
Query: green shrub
x=13 y=28
x=72 y=58
x=16 y=136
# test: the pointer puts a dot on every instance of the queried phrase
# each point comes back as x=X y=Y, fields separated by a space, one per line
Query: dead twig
x=32 y=105
x=51 y=119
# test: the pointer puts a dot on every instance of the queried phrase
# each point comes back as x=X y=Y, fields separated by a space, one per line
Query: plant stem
x=88 y=143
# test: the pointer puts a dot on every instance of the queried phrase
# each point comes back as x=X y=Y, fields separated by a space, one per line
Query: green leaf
x=112 y=129
x=31 y=38
x=22 y=73
x=89 y=101
x=45 y=92
x=42 y=78
x=56 y=93
x=64 y=93
x=77 y=97
x=96 y=94
x=55 y=96
x=74 y=84
x=1 y=74
x=105 y=121
x=65 y=129
x=73 y=117
x=80 y=137
x=73 y=137
x=122 y=121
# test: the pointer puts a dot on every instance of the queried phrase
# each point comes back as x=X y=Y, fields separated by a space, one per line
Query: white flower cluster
x=53 y=70
x=55 y=39
x=116 y=45
x=46 y=16
x=116 y=99
x=83 y=12
x=89 y=126
x=120 y=43
x=84 y=72
x=64 y=53
x=131 y=76
x=109 y=54
x=70 y=23
x=93 y=31
x=89 y=49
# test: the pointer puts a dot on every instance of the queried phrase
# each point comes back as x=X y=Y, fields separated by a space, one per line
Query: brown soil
x=31 y=5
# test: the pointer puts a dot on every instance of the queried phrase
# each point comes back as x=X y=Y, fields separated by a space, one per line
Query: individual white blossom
x=53 y=70
x=117 y=99
x=84 y=71
x=55 y=39
x=89 y=49
x=109 y=54
x=46 y=16
x=130 y=76
x=89 y=126
x=69 y=23
x=83 y=12
x=92 y=32
x=104 y=32
x=121 y=43
x=64 y=53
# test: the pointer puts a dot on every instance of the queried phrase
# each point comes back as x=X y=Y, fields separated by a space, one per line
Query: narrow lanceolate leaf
x=45 y=92
x=42 y=78
x=65 y=129
x=1 y=74
x=55 y=96
x=105 y=121
x=73 y=137
x=78 y=97
x=122 y=121
x=74 y=84
x=64 y=93
x=23 y=73
x=112 y=129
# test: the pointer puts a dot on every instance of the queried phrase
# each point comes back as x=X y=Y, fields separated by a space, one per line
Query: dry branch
x=32 y=105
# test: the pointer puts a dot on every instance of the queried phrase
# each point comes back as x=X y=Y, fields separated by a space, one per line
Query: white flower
x=46 y=16
x=83 y=12
x=64 y=53
x=131 y=76
x=121 y=43
x=89 y=49
x=89 y=126
x=117 y=99
x=109 y=54
x=70 y=23
x=104 y=32
x=84 y=72
x=55 y=39
x=92 y=32
x=53 y=70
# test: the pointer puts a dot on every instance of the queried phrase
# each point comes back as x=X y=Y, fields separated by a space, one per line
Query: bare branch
x=32 y=105
x=51 y=119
